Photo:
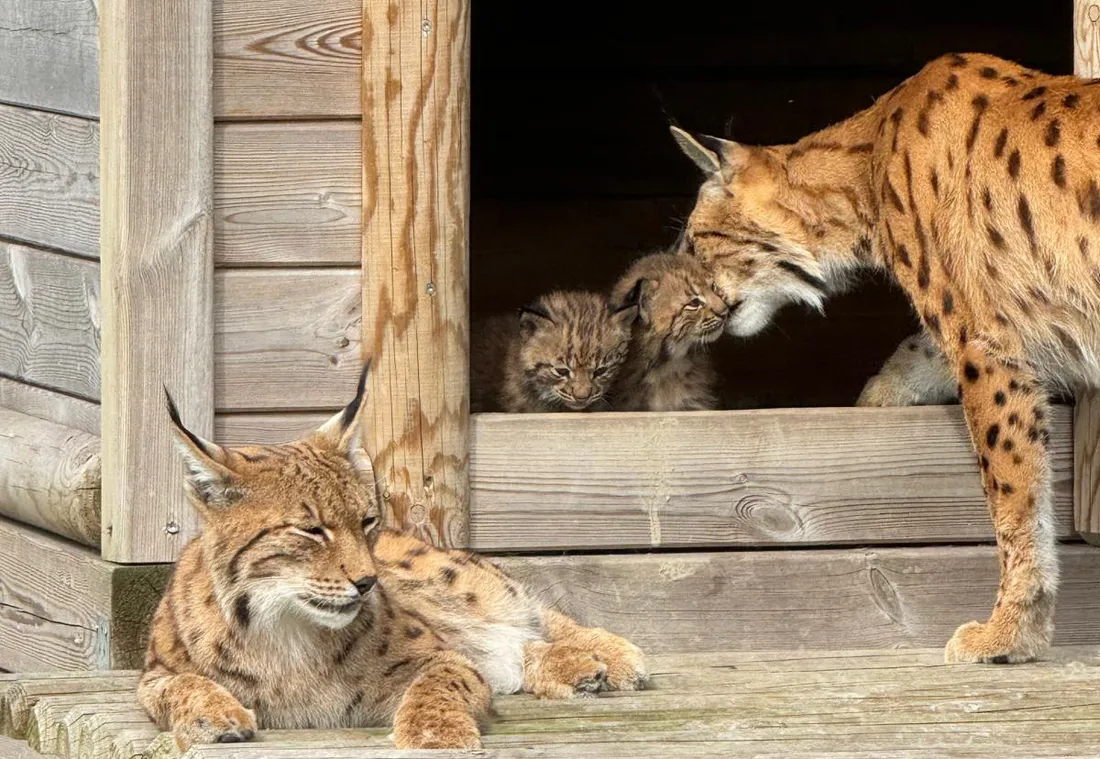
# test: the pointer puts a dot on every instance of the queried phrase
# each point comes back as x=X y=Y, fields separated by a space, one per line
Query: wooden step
x=786 y=704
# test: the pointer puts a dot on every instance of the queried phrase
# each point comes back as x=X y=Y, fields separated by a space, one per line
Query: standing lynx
x=975 y=184
x=293 y=608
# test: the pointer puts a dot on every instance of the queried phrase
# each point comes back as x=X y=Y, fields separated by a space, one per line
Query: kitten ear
x=626 y=309
x=714 y=155
x=210 y=483
x=531 y=317
x=342 y=433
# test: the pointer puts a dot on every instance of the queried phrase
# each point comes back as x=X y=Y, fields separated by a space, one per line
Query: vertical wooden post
x=156 y=144
x=416 y=104
x=1086 y=418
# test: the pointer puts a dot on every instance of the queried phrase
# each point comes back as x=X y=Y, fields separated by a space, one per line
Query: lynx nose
x=365 y=583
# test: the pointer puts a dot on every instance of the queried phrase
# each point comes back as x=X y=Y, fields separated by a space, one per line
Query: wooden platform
x=870 y=703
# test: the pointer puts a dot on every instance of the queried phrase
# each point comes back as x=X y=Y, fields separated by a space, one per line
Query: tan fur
x=292 y=609
x=562 y=353
x=974 y=183
x=679 y=314
x=916 y=374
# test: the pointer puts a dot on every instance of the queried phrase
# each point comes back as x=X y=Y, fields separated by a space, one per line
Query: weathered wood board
x=64 y=608
x=49 y=405
x=49 y=53
x=767 y=477
x=49 y=319
x=50 y=476
x=49 y=180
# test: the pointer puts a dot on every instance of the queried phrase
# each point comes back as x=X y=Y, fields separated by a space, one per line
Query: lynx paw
x=989 y=643
x=559 y=671
x=426 y=728
x=213 y=717
x=626 y=669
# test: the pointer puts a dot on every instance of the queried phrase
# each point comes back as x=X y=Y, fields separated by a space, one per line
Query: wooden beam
x=49 y=476
x=49 y=172
x=416 y=171
x=1086 y=420
x=777 y=600
x=64 y=608
x=157 y=270
x=49 y=319
x=49 y=52
x=756 y=478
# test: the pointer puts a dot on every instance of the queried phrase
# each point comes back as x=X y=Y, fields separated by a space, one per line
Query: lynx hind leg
x=195 y=709
x=560 y=671
x=916 y=374
x=1006 y=410
x=626 y=666
x=443 y=706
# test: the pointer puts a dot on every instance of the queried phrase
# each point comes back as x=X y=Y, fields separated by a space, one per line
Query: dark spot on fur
x=449 y=575
x=895 y=199
x=1089 y=201
x=1007 y=489
x=984 y=461
x=1017 y=459
x=971 y=372
x=903 y=256
x=1014 y=420
x=935 y=179
x=413 y=632
x=392 y=669
x=471 y=598
x=1008 y=445
x=1083 y=246
x=1071 y=101
x=987 y=199
x=241 y=611
x=932 y=321
x=980 y=103
x=999 y=145
x=1014 y=164
x=995 y=237
x=418 y=551
x=1038 y=111
x=948 y=303
x=1053 y=134
x=1032 y=434
x=922 y=122
x=1013 y=385
x=1038 y=92
x=999 y=398
x=384 y=646
x=963 y=336
x=991 y=435
x=1058 y=171
x=1023 y=210
x=988 y=72
x=956 y=61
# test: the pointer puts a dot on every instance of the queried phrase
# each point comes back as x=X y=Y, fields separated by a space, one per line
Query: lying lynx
x=294 y=609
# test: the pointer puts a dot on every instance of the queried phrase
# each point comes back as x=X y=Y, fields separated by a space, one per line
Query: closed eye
x=695 y=303
x=313 y=532
x=599 y=371
x=560 y=371
x=369 y=523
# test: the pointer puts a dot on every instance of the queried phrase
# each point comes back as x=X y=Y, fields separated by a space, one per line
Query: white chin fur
x=751 y=317
x=332 y=619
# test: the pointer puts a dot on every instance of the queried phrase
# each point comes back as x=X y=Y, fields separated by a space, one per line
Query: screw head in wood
x=430 y=289
x=1094 y=13
x=172 y=528
x=426 y=27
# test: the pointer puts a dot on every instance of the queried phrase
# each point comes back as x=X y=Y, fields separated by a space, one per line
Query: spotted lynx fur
x=293 y=609
x=975 y=184
x=679 y=315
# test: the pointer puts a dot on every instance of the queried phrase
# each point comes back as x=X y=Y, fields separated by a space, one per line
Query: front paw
x=212 y=717
x=557 y=671
x=989 y=643
x=626 y=667
x=432 y=728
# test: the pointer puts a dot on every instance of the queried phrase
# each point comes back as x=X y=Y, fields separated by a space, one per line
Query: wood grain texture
x=49 y=180
x=49 y=405
x=1086 y=420
x=286 y=339
x=49 y=320
x=50 y=476
x=157 y=269
x=287 y=59
x=267 y=429
x=28 y=689
x=416 y=162
x=288 y=193
x=64 y=608
x=853 y=598
x=758 y=478
x=50 y=54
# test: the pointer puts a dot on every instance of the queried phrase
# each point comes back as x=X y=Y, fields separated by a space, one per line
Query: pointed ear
x=531 y=317
x=343 y=431
x=714 y=155
x=622 y=300
x=211 y=484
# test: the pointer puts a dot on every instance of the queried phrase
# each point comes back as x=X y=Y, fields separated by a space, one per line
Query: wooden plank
x=49 y=319
x=52 y=717
x=49 y=49
x=855 y=598
x=25 y=693
x=49 y=175
x=266 y=429
x=50 y=476
x=157 y=268
x=765 y=477
x=287 y=59
x=64 y=608
x=288 y=193
x=13 y=749
x=286 y=339
x=1086 y=420
x=416 y=167
x=46 y=404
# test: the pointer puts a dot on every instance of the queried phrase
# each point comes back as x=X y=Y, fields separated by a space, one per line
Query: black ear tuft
x=535 y=309
x=174 y=415
x=632 y=298
x=360 y=391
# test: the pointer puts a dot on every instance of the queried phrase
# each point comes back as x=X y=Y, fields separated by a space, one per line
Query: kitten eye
x=599 y=371
x=369 y=523
x=314 y=532
x=695 y=303
x=560 y=371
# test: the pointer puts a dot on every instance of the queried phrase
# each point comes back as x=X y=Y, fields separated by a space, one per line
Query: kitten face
x=574 y=344
x=678 y=305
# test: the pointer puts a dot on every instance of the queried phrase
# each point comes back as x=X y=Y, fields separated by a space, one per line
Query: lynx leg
x=194 y=708
x=558 y=670
x=626 y=669
x=1007 y=413
x=443 y=705
x=916 y=374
